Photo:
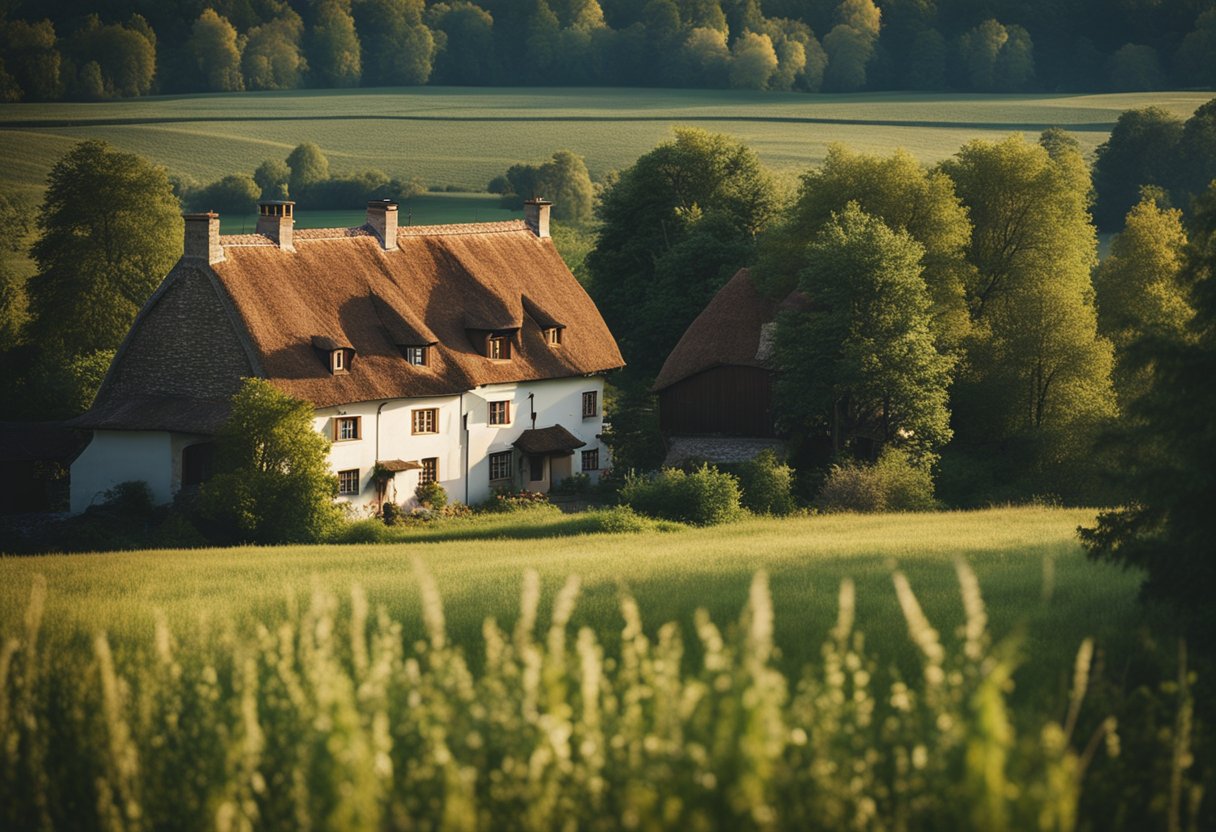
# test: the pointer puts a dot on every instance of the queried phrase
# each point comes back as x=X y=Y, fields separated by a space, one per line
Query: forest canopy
x=68 y=50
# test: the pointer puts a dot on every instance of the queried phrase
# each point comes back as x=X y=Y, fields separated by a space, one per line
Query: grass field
x=465 y=136
x=423 y=684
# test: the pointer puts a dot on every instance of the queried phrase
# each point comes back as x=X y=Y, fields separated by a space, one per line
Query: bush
x=894 y=483
x=390 y=513
x=768 y=484
x=507 y=500
x=704 y=497
x=622 y=520
x=362 y=531
x=431 y=495
x=236 y=194
x=573 y=485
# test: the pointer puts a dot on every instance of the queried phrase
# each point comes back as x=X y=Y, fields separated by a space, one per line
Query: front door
x=536 y=468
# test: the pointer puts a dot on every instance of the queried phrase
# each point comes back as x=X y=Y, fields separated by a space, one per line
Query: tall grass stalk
x=342 y=717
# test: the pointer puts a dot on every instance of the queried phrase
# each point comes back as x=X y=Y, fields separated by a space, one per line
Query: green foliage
x=431 y=495
x=398 y=48
x=110 y=231
x=114 y=61
x=1140 y=151
x=272 y=481
x=1135 y=68
x=186 y=726
x=272 y=178
x=32 y=60
x=215 y=53
x=676 y=225
x=1169 y=450
x=767 y=484
x=308 y=166
x=997 y=57
x=905 y=196
x=753 y=62
x=563 y=180
x=1139 y=289
x=894 y=483
x=467 y=36
x=335 y=58
x=704 y=497
x=272 y=59
x=236 y=194
x=859 y=365
x=1036 y=381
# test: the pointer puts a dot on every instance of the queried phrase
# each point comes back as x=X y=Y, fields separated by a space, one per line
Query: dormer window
x=337 y=361
x=336 y=354
x=553 y=336
x=417 y=356
x=498 y=346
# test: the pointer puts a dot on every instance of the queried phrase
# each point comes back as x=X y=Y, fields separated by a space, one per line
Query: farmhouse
x=463 y=354
x=716 y=388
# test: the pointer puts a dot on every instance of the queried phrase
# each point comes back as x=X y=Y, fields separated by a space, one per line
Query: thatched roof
x=172 y=413
x=551 y=440
x=726 y=333
x=441 y=284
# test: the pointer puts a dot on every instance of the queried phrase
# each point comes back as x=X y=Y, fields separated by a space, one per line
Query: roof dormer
x=339 y=356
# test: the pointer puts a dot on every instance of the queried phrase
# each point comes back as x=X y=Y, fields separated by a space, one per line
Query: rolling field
x=463 y=680
x=465 y=136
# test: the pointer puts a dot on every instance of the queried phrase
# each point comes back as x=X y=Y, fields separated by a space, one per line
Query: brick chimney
x=275 y=219
x=203 y=237
x=382 y=218
x=536 y=215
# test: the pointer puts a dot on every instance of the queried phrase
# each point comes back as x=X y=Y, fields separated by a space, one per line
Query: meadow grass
x=463 y=678
x=464 y=137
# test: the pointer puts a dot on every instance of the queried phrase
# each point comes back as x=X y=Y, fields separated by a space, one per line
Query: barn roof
x=728 y=332
x=443 y=285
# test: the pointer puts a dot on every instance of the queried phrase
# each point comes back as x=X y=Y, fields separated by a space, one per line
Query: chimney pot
x=382 y=219
x=536 y=215
x=203 y=237
x=276 y=218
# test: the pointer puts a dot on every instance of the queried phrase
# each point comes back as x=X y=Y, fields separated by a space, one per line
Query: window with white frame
x=418 y=356
x=425 y=420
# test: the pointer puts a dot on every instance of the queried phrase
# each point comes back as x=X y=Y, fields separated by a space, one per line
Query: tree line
x=72 y=52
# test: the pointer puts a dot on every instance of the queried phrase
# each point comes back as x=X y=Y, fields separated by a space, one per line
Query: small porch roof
x=551 y=441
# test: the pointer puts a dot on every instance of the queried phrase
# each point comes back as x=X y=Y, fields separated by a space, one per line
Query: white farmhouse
x=465 y=354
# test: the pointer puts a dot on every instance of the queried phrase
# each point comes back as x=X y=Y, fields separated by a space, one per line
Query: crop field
x=464 y=136
x=915 y=671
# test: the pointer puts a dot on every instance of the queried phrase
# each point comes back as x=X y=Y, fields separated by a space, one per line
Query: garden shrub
x=390 y=513
x=768 y=484
x=431 y=495
x=704 y=497
x=894 y=483
x=507 y=500
x=622 y=520
x=362 y=531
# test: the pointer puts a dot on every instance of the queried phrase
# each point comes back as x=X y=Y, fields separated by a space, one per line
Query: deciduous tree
x=272 y=59
x=398 y=48
x=213 y=47
x=308 y=166
x=860 y=365
x=1141 y=150
x=335 y=57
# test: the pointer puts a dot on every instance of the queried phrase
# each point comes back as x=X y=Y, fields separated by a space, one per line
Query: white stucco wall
x=555 y=401
x=116 y=456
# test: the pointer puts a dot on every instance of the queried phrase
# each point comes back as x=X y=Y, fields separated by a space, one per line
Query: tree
x=212 y=46
x=850 y=45
x=1194 y=56
x=114 y=60
x=1141 y=150
x=308 y=167
x=1169 y=452
x=1036 y=385
x=707 y=61
x=563 y=179
x=398 y=48
x=1138 y=289
x=997 y=57
x=859 y=365
x=32 y=58
x=272 y=59
x=271 y=178
x=905 y=196
x=467 y=53
x=753 y=62
x=110 y=231
x=334 y=53
x=272 y=481
x=1196 y=155
x=237 y=194
x=675 y=226
x=1135 y=68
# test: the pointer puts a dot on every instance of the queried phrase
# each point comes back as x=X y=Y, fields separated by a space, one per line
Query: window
x=591 y=460
x=498 y=347
x=500 y=466
x=338 y=361
x=430 y=470
x=348 y=481
x=536 y=468
x=553 y=336
x=591 y=404
x=346 y=428
x=500 y=413
x=417 y=356
x=425 y=420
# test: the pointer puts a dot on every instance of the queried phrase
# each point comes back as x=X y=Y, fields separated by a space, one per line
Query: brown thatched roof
x=442 y=282
x=726 y=333
x=396 y=466
x=551 y=440
x=173 y=413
